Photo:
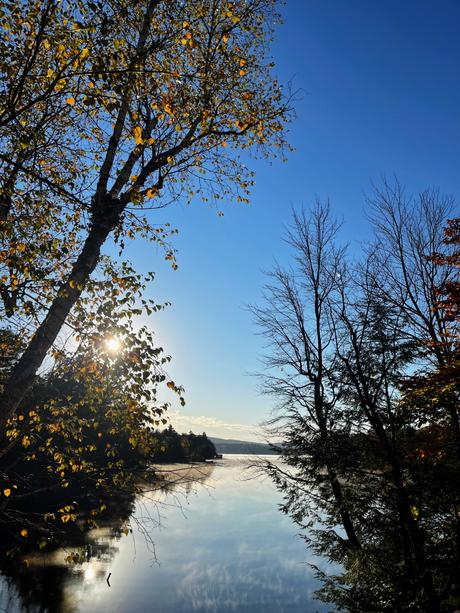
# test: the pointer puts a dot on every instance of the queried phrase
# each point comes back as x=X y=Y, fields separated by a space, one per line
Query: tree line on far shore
x=175 y=447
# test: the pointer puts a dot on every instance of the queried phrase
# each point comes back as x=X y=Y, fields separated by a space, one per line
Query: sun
x=112 y=344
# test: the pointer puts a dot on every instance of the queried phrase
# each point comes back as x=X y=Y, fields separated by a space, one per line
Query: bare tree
x=295 y=320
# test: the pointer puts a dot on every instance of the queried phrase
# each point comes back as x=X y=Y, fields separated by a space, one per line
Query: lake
x=215 y=541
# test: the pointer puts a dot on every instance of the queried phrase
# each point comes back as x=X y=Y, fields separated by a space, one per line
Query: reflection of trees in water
x=39 y=584
x=183 y=478
x=39 y=589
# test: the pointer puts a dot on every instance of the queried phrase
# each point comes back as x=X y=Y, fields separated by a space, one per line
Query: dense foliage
x=78 y=456
x=86 y=434
x=175 y=447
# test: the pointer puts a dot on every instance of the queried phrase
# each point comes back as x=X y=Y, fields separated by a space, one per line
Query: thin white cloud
x=213 y=426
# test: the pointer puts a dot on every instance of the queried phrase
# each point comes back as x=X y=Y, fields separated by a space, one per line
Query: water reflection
x=207 y=540
x=41 y=585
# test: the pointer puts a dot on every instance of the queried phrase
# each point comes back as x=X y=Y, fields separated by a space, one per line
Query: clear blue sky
x=381 y=83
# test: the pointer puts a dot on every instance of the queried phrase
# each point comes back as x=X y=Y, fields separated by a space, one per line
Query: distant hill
x=224 y=445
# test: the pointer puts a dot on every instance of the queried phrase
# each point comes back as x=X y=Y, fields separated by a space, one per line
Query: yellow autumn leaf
x=415 y=512
x=24 y=532
x=7 y=492
x=72 y=284
x=137 y=133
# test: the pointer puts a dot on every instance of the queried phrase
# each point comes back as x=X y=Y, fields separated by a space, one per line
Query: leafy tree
x=135 y=105
x=431 y=396
x=374 y=356
x=449 y=290
x=409 y=275
x=86 y=429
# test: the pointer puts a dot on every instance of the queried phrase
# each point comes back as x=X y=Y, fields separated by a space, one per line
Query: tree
x=408 y=274
x=85 y=433
x=43 y=54
x=375 y=355
x=449 y=291
x=300 y=366
x=343 y=337
x=159 y=98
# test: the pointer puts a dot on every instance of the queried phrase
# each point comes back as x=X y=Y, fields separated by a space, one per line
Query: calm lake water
x=217 y=543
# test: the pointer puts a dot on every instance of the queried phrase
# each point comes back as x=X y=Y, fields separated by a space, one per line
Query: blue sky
x=381 y=85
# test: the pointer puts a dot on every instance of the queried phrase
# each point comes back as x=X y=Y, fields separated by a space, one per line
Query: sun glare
x=112 y=344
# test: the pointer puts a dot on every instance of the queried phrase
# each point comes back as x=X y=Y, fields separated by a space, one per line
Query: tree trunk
x=347 y=522
x=409 y=526
x=337 y=492
x=24 y=372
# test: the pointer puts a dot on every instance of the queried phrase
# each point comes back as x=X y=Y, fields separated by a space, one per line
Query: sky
x=380 y=85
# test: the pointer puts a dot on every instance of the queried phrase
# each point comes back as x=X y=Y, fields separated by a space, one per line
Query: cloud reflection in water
x=227 y=549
